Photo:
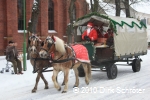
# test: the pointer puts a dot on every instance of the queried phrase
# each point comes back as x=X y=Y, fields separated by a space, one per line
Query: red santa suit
x=90 y=32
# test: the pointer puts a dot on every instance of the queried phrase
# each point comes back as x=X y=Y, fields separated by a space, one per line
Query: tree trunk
x=117 y=3
x=91 y=2
x=127 y=8
x=70 y=27
x=94 y=7
x=96 y=4
x=34 y=17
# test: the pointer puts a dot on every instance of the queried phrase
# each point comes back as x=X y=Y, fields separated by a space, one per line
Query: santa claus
x=90 y=34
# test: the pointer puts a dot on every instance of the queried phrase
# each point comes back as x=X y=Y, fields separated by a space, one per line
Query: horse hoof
x=64 y=91
x=46 y=88
x=33 y=91
x=87 y=83
x=75 y=86
x=59 y=89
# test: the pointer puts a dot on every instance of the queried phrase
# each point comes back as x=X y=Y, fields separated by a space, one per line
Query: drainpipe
x=24 y=43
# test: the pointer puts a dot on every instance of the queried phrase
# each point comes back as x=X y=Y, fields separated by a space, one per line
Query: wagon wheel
x=136 y=65
x=81 y=71
x=112 y=71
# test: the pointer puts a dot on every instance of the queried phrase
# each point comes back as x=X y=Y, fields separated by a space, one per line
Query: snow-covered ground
x=127 y=85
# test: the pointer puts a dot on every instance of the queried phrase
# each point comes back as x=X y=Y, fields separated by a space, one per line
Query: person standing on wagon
x=102 y=33
x=90 y=34
x=12 y=56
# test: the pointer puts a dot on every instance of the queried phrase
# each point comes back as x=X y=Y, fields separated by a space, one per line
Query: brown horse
x=37 y=62
x=63 y=58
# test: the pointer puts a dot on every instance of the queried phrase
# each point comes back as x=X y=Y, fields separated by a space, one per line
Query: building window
x=20 y=14
x=51 y=15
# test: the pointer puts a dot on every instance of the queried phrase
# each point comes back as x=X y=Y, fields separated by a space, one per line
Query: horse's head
x=48 y=47
x=33 y=42
x=52 y=44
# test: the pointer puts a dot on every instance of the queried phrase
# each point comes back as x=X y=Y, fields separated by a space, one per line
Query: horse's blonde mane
x=59 y=45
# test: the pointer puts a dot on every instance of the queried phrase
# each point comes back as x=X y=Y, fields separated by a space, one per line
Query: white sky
x=141 y=7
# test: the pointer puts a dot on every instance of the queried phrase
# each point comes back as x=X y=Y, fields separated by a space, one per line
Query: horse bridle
x=31 y=38
x=49 y=44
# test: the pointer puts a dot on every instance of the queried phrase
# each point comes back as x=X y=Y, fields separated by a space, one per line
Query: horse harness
x=72 y=58
x=63 y=60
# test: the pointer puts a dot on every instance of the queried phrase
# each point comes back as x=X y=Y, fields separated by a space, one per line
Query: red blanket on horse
x=81 y=53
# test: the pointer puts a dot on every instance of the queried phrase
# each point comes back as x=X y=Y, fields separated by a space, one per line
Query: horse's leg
x=76 y=74
x=46 y=83
x=89 y=71
x=66 y=74
x=63 y=83
x=86 y=73
x=37 y=80
x=54 y=78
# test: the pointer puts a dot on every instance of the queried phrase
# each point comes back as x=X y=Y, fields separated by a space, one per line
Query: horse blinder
x=49 y=45
x=42 y=43
x=29 y=41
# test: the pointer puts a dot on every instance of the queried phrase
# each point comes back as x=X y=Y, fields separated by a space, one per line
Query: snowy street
x=127 y=86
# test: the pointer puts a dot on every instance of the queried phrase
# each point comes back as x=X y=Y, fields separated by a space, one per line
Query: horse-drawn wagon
x=129 y=42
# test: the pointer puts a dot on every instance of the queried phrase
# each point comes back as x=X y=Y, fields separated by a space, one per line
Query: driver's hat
x=10 y=42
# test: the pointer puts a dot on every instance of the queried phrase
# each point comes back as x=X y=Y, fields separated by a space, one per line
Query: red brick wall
x=12 y=20
x=2 y=25
x=9 y=20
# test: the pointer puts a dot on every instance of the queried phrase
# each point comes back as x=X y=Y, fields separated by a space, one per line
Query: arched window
x=20 y=14
x=50 y=15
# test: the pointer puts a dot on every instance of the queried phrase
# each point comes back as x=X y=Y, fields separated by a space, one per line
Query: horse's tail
x=89 y=71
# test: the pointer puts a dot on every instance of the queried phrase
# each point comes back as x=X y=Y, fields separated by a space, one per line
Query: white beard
x=88 y=31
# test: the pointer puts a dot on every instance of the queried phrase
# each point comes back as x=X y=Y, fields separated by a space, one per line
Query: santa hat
x=90 y=24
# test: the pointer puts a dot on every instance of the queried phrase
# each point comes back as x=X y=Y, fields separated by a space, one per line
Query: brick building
x=53 y=19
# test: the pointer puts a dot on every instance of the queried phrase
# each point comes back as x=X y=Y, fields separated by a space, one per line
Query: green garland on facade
x=113 y=23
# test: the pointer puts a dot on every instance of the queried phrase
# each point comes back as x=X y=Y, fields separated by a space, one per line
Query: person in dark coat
x=110 y=40
x=12 y=56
